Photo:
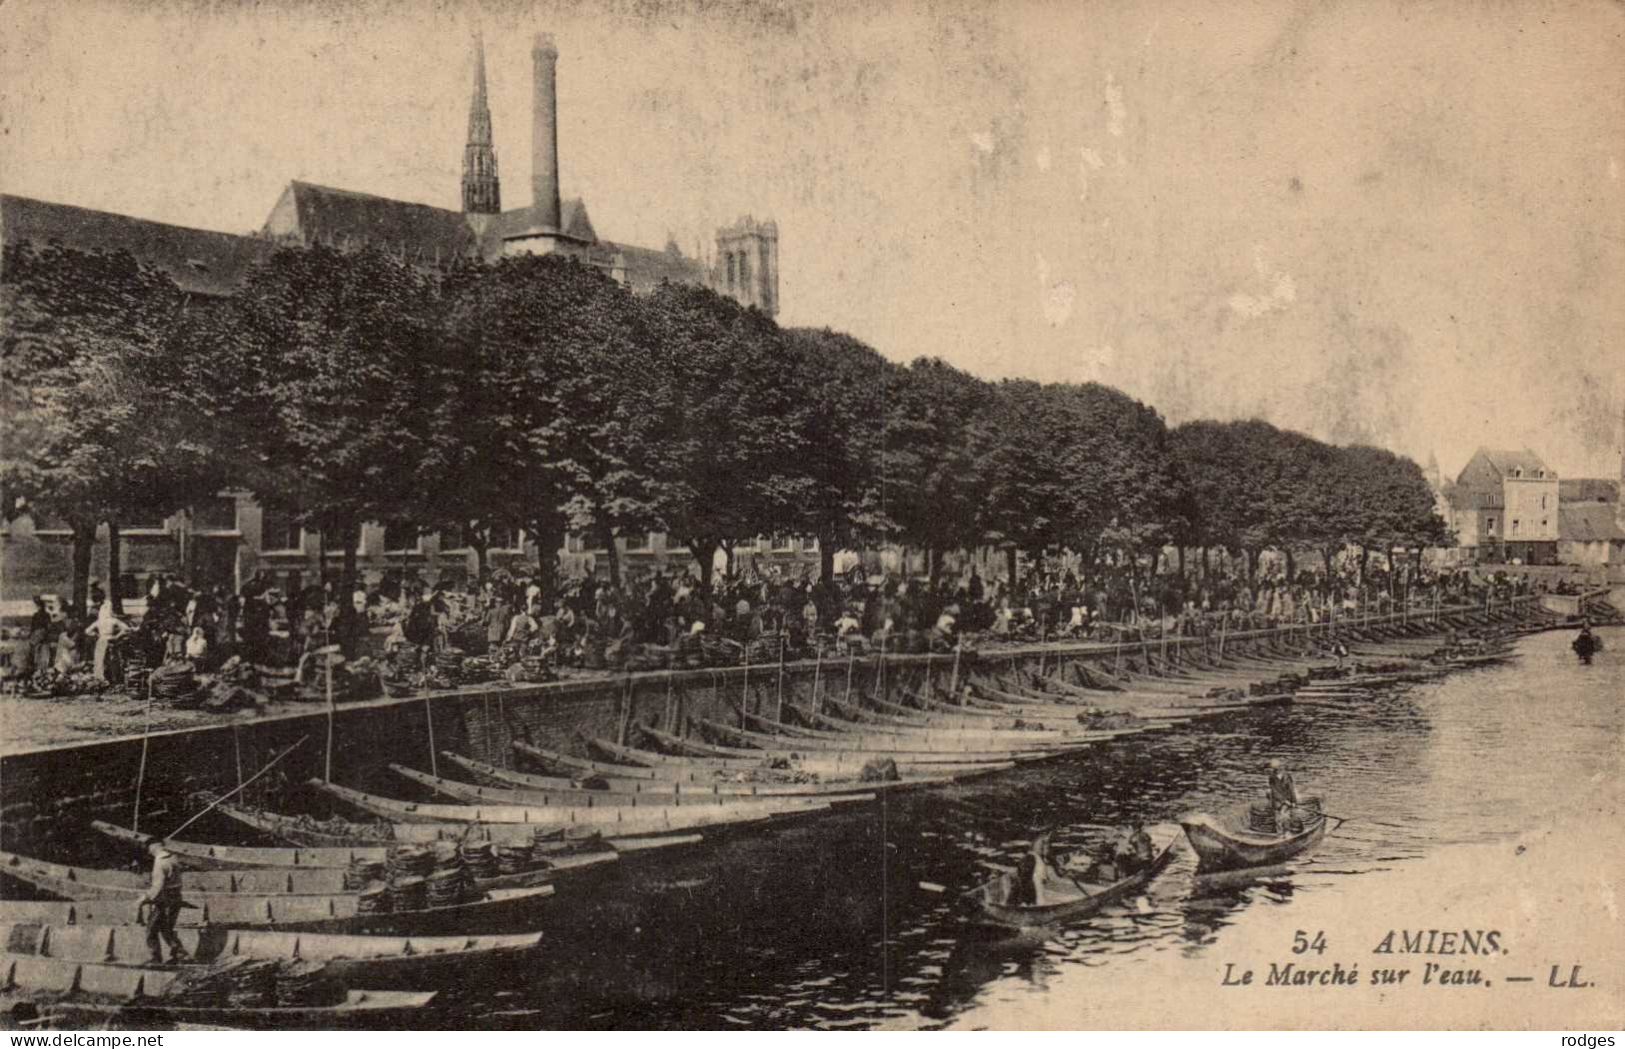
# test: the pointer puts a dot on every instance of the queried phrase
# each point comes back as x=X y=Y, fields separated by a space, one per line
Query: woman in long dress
x=107 y=629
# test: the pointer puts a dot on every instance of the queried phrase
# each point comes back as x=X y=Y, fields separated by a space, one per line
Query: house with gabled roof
x=1504 y=507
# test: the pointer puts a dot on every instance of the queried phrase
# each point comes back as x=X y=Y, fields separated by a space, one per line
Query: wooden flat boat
x=496 y=777
x=1074 y=901
x=201 y=859
x=1224 y=848
x=736 y=803
x=914 y=747
x=360 y=961
x=850 y=758
x=728 y=760
x=136 y=996
x=621 y=821
x=499 y=908
x=301 y=830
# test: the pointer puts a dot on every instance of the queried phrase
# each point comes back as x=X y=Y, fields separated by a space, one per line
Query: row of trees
x=538 y=394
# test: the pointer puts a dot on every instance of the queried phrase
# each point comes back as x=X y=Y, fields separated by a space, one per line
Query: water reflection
x=825 y=925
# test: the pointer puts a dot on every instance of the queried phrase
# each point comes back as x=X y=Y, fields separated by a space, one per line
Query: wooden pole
x=428 y=716
x=224 y=797
x=818 y=667
x=778 y=699
x=502 y=715
x=141 y=772
x=237 y=747
x=851 y=658
x=953 y=681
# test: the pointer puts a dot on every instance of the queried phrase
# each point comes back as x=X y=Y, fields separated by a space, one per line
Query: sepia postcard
x=729 y=514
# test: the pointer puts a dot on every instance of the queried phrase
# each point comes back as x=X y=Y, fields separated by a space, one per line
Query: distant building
x=1503 y=507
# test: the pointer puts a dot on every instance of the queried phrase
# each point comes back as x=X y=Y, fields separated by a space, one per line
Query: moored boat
x=209 y=864
x=504 y=909
x=742 y=804
x=619 y=820
x=360 y=961
x=138 y=996
x=334 y=834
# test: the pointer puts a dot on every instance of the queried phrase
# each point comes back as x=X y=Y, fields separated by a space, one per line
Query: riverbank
x=1552 y=896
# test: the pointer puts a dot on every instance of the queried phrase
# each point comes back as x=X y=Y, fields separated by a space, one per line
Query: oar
x=223 y=797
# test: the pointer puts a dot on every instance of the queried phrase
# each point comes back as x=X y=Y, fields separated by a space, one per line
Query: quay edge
x=49 y=794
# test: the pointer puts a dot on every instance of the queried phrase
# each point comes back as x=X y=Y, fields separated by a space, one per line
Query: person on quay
x=164 y=899
x=1283 y=796
x=107 y=628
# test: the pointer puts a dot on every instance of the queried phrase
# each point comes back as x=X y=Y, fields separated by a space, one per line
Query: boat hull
x=1221 y=848
x=1025 y=916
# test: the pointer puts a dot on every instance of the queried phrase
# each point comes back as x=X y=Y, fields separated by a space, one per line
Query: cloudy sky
x=1394 y=222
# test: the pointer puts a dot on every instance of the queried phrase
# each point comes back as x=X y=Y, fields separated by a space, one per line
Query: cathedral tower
x=747 y=266
x=482 y=193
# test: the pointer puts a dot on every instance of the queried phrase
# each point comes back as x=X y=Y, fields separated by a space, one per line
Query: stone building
x=233 y=537
x=1503 y=507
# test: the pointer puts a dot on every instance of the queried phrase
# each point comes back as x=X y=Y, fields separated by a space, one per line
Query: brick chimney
x=544 y=143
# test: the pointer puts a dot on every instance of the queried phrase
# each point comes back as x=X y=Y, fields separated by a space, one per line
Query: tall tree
x=845 y=385
x=329 y=360
x=89 y=431
x=934 y=490
x=737 y=468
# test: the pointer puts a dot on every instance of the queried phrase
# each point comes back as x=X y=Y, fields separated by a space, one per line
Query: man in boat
x=1585 y=643
x=164 y=899
x=1141 y=850
x=1283 y=796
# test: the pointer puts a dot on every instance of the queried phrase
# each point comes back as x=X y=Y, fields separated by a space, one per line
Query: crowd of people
x=753 y=616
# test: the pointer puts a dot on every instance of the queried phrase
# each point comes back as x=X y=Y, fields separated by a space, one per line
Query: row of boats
x=425 y=891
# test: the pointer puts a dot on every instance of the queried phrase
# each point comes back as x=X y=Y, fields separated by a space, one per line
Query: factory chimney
x=544 y=147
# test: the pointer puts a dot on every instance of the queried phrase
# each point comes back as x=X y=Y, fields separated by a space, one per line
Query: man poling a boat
x=164 y=900
x=1283 y=796
x=1585 y=643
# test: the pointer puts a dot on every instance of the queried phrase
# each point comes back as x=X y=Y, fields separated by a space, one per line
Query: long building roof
x=200 y=261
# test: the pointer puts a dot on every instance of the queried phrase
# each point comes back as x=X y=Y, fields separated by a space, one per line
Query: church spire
x=482 y=193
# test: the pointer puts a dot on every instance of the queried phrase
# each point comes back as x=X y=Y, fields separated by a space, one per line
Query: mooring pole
x=851 y=658
x=141 y=772
x=953 y=681
x=778 y=699
x=818 y=666
x=428 y=716
x=237 y=748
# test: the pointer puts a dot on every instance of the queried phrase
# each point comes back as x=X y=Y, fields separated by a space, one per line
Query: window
x=1543 y=504
x=501 y=537
x=1514 y=527
x=400 y=538
x=783 y=543
x=744 y=270
x=1517 y=471
x=575 y=544
x=452 y=538
x=731 y=277
x=145 y=521
x=280 y=532
x=215 y=515
x=1489 y=525
x=639 y=541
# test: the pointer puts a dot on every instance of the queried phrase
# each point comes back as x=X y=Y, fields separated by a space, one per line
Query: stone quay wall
x=48 y=795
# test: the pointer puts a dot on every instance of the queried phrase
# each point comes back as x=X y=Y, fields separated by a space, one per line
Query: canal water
x=1470 y=800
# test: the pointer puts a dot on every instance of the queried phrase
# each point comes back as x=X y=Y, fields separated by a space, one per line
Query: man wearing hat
x=1283 y=797
x=164 y=897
